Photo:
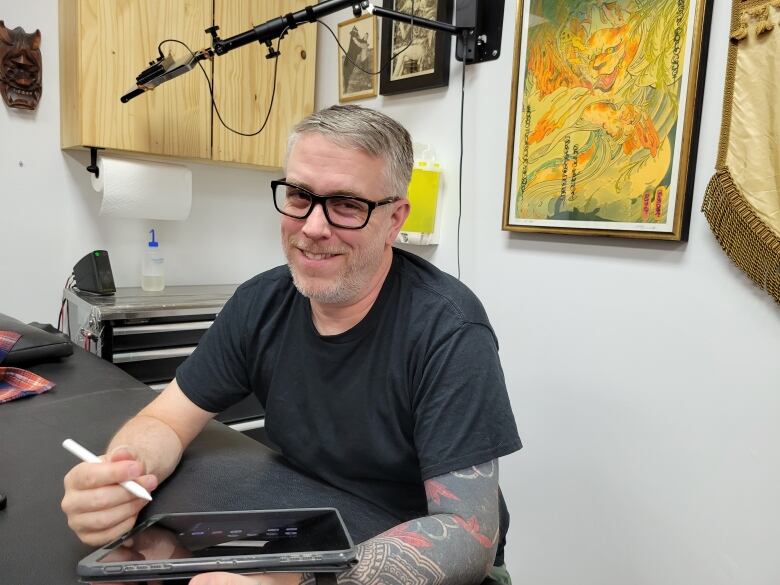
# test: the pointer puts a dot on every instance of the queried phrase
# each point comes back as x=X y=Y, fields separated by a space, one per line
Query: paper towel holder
x=93 y=167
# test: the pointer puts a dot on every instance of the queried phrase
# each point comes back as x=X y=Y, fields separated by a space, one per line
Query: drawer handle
x=162 y=328
x=156 y=354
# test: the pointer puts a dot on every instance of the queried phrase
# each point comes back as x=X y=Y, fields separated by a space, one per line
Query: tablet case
x=35 y=345
x=91 y=571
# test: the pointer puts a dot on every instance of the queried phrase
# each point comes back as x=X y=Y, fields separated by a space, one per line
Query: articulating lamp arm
x=167 y=68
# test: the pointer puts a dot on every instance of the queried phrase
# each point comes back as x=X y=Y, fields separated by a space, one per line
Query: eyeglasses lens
x=341 y=211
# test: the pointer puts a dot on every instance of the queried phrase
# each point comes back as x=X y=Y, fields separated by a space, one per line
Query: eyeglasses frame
x=321 y=199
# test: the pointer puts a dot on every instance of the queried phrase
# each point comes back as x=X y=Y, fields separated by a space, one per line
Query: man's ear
x=401 y=209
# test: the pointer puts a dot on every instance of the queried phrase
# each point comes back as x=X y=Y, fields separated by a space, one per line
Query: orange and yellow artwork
x=598 y=121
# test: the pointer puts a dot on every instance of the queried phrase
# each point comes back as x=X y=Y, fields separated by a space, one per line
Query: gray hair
x=372 y=132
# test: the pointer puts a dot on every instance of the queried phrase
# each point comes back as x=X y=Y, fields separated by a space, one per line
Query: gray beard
x=348 y=286
x=339 y=293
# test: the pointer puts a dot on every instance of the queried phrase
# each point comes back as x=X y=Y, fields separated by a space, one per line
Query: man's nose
x=316 y=226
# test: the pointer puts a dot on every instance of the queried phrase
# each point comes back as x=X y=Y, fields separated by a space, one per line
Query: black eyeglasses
x=341 y=211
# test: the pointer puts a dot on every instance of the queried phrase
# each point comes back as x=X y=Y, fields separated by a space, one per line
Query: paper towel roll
x=143 y=189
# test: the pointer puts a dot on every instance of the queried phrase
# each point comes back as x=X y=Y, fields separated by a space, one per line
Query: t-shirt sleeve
x=462 y=412
x=214 y=376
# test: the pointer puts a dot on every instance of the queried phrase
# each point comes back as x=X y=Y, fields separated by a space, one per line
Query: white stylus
x=90 y=457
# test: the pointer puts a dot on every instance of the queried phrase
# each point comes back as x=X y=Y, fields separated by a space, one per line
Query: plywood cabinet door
x=244 y=80
x=104 y=45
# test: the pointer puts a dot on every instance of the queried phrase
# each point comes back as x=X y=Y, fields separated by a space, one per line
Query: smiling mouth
x=313 y=256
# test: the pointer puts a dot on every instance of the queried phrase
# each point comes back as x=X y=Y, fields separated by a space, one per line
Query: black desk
x=222 y=470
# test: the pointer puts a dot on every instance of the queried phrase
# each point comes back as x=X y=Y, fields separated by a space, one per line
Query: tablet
x=175 y=546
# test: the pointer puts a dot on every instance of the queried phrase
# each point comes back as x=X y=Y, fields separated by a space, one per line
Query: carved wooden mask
x=20 y=67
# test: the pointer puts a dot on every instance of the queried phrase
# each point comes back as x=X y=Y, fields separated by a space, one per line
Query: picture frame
x=422 y=62
x=356 y=68
x=604 y=117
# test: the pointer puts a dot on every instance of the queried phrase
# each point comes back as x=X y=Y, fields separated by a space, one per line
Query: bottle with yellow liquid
x=421 y=226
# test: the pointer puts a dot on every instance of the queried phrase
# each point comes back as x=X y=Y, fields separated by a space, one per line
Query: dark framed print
x=605 y=109
x=356 y=66
x=422 y=56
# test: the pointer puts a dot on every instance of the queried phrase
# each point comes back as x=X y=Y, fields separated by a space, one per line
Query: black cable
x=60 y=321
x=460 y=168
x=276 y=69
x=211 y=88
x=63 y=315
x=392 y=57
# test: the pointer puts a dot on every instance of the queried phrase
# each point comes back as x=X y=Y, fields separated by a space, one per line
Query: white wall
x=49 y=212
x=644 y=376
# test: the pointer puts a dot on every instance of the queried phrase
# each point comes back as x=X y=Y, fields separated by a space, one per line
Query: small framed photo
x=422 y=56
x=356 y=67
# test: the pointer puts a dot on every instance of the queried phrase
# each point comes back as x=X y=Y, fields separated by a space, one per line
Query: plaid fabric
x=15 y=382
x=7 y=340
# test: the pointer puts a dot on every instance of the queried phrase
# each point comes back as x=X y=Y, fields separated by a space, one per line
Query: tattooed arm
x=454 y=545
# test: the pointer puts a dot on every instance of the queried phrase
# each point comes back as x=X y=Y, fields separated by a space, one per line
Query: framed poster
x=357 y=66
x=422 y=55
x=604 y=117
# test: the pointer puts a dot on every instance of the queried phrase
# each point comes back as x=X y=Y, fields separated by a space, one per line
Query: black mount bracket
x=484 y=20
x=93 y=167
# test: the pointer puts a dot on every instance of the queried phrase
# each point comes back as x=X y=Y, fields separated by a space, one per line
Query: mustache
x=313 y=248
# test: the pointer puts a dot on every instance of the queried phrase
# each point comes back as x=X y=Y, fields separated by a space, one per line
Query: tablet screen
x=179 y=536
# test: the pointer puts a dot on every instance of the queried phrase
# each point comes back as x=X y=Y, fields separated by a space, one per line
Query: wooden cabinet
x=244 y=83
x=104 y=45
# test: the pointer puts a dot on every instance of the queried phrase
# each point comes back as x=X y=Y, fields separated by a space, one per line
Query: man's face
x=333 y=265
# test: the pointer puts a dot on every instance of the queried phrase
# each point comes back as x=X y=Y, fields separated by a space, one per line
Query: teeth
x=311 y=256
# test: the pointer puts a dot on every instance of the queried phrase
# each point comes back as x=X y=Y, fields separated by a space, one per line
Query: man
x=378 y=373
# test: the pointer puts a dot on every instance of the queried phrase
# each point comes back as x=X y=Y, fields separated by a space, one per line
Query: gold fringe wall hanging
x=742 y=200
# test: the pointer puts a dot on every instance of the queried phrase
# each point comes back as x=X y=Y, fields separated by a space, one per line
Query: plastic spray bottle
x=153 y=273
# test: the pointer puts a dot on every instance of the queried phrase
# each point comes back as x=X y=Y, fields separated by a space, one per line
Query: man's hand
x=98 y=508
x=262 y=579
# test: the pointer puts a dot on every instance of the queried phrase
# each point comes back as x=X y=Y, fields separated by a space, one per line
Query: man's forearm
x=153 y=441
x=455 y=545
x=436 y=549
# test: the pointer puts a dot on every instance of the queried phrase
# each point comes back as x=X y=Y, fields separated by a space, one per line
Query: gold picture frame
x=358 y=37
x=604 y=117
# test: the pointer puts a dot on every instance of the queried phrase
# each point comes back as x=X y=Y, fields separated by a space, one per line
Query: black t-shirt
x=413 y=391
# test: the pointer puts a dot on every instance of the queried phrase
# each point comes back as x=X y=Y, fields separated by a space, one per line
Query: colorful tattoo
x=435 y=491
x=472 y=527
x=451 y=544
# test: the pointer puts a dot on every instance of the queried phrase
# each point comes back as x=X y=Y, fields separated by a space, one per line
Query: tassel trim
x=760 y=14
x=750 y=243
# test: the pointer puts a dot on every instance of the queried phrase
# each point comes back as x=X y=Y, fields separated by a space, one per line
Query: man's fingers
x=92 y=500
x=98 y=509
x=102 y=537
x=147 y=481
x=101 y=520
x=257 y=579
x=86 y=476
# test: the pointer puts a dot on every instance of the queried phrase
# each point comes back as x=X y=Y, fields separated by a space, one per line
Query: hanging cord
x=276 y=68
x=211 y=87
x=460 y=166
x=63 y=316
x=392 y=57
